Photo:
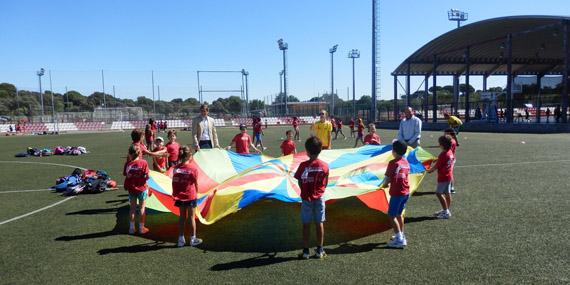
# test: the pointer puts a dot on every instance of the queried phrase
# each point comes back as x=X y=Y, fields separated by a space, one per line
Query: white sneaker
x=444 y=216
x=320 y=254
x=195 y=241
x=404 y=241
x=439 y=213
x=395 y=244
x=131 y=231
x=181 y=241
x=305 y=254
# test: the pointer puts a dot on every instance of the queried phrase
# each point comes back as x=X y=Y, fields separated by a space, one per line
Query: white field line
x=43 y=163
x=37 y=211
x=34 y=190
x=512 y=163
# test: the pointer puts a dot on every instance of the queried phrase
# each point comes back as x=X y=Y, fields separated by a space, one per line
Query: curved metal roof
x=537 y=48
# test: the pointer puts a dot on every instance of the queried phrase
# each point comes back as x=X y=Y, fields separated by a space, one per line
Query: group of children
x=312 y=176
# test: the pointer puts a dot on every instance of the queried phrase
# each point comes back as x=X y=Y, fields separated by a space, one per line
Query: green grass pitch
x=509 y=225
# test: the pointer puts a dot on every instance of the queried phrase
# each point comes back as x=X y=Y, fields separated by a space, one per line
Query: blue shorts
x=313 y=211
x=397 y=204
x=258 y=136
x=139 y=196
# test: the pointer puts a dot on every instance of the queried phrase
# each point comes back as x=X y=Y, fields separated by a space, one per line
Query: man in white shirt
x=410 y=130
x=204 y=131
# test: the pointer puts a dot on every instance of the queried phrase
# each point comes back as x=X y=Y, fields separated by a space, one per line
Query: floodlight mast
x=332 y=51
x=457 y=16
x=41 y=73
x=353 y=54
x=283 y=46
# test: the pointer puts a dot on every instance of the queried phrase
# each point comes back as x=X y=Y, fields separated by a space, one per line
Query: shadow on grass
x=266 y=226
x=117 y=202
x=411 y=220
x=262 y=260
x=423 y=193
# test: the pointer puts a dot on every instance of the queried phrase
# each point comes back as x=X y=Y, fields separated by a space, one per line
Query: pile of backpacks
x=84 y=181
x=58 y=150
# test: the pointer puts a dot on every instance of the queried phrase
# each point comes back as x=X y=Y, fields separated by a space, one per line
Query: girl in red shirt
x=159 y=161
x=360 y=135
x=288 y=145
x=185 y=193
x=172 y=148
x=136 y=175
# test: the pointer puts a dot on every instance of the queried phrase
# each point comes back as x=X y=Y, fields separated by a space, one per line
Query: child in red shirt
x=137 y=138
x=258 y=133
x=172 y=148
x=242 y=141
x=360 y=134
x=296 y=128
x=444 y=166
x=312 y=176
x=351 y=126
x=454 y=144
x=159 y=161
x=397 y=176
x=372 y=137
x=136 y=175
x=288 y=145
x=185 y=193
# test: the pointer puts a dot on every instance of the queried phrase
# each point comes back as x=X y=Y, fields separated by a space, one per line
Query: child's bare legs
x=400 y=221
x=192 y=217
x=132 y=210
x=448 y=199
x=320 y=234
x=182 y=220
x=306 y=233
x=142 y=228
x=442 y=201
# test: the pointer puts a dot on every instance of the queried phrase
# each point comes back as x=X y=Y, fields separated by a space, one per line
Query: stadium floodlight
x=332 y=51
x=283 y=46
x=245 y=74
x=41 y=73
x=457 y=16
x=353 y=54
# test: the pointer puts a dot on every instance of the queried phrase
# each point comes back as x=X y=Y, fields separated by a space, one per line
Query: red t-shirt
x=295 y=122
x=257 y=127
x=149 y=132
x=184 y=177
x=339 y=123
x=453 y=147
x=136 y=174
x=361 y=129
x=172 y=148
x=351 y=124
x=398 y=170
x=159 y=162
x=287 y=147
x=444 y=166
x=242 y=143
x=313 y=177
x=143 y=149
x=372 y=139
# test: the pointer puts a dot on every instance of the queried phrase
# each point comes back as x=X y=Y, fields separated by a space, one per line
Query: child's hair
x=399 y=147
x=171 y=132
x=151 y=120
x=445 y=141
x=134 y=151
x=184 y=153
x=136 y=135
x=313 y=145
x=288 y=132
x=204 y=107
x=371 y=125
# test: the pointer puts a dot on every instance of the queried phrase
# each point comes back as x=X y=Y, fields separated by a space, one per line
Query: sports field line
x=512 y=163
x=43 y=163
x=32 y=190
x=37 y=211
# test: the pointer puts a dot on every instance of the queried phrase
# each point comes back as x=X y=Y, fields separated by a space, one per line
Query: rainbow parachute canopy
x=229 y=181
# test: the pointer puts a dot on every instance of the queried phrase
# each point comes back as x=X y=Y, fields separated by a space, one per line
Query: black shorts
x=191 y=203
x=205 y=144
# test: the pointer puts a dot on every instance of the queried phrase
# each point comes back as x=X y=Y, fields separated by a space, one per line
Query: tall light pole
x=41 y=73
x=283 y=46
x=153 y=103
x=53 y=119
x=280 y=82
x=353 y=54
x=457 y=16
x=245 y=74
x=103 y=84
x=332 y=51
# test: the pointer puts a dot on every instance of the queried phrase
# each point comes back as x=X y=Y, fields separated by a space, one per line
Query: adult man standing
x=410 y=130
x=322 y=129
x=203 y=130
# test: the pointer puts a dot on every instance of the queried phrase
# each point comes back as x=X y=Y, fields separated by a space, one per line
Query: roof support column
x=565 y=73
x=485 y=81
x=538 y=96
x=509 y=79
x=408 y=92
x=426 y=98
x=434 y=99
x=467 y=91
x=455 y=93
x=396 y=111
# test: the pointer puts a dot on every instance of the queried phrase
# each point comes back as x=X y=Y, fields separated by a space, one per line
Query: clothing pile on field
x=58 y=150
x=84 y=181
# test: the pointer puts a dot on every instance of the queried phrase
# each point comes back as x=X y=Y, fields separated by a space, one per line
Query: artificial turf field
x=509 y=225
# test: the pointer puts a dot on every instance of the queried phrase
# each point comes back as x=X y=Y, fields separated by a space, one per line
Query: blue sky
x=128 y=39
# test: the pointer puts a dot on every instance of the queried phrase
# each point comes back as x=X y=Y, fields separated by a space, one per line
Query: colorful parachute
x=229 y=181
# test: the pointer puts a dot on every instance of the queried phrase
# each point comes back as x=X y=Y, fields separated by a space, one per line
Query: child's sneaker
x=404 y=241
x=395 y=243
x=131 y=231
x=320 y=253
x=305 y=254
x=181 y=241
x=436 y=214
x=195 y=241
x=143 y=230
x=452 y=191
x=444 y=216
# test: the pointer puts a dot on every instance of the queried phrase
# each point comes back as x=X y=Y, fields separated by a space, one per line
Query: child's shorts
x=189 y=203
x=397 y=204
x=443 y=187
x=258 y=136
x=313 y=211
x=141 y=196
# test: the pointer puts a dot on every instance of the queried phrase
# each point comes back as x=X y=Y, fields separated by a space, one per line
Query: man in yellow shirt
x=322 y=129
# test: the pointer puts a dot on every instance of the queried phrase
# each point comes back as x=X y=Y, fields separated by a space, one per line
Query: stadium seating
x=122 y=125
x=35 y=128
x=90 y=126
x=61 y=127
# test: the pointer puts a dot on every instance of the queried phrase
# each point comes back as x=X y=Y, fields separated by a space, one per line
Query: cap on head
x=242 y=127
x=159 y=139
